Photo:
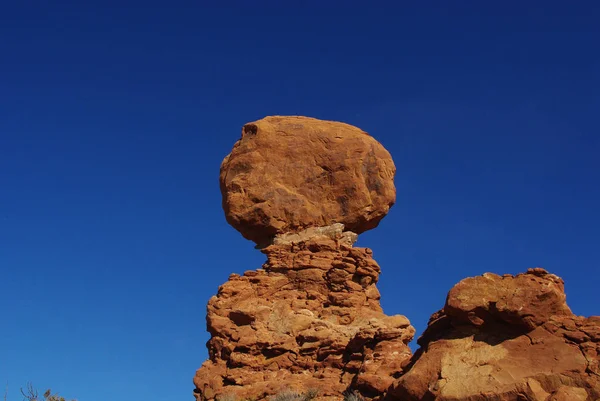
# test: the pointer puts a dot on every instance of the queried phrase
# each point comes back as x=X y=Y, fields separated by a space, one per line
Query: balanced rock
x=287 y=174
x=505 y=338
x=309 y=319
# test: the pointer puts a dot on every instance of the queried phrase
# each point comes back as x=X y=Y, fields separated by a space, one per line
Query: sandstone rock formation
x=287 y=174
x=505 y=338
x=310 y=318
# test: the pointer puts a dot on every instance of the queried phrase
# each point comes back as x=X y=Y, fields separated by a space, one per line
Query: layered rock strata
x=310 y=318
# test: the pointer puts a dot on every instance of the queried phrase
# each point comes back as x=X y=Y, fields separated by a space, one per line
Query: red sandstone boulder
x=287 y=174
x=509 y=338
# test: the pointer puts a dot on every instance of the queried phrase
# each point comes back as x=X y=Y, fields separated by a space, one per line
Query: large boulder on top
x=286 y=174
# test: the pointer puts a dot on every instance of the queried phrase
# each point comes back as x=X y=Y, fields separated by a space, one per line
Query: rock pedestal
x=309 y=319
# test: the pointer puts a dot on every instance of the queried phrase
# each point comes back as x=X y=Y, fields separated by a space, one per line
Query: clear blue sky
x=115 y=116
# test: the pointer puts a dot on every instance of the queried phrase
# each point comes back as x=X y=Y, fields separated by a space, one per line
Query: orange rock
x=295 y=325
x=302 y=189
x=287 y=174
x=505 y=339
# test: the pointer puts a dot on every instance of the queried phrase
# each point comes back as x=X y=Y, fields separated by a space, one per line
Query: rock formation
x=286 y=174
x=505 y=338
x=310 y=318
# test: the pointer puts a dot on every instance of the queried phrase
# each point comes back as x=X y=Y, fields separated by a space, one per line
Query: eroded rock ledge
x=334 y=231
x=505 y=338
x=310 y=318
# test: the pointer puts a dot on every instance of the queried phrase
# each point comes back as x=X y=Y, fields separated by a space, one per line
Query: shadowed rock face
x=505 y=338
x=287 y=174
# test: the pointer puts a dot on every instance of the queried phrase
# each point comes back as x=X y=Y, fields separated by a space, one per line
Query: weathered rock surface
x=505 y=338
x=310 y=318
x=287 y=174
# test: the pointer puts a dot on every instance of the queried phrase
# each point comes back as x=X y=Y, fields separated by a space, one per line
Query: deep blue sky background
x=115 y=116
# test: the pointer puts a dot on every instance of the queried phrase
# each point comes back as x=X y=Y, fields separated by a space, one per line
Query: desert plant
x=290 y=395
x=310 y=394
x=29 y=393
x=286 y=395
x=353 y=396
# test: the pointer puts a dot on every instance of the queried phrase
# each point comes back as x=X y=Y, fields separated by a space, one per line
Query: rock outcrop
x=505 y=338
x=303 y=189
x=287 y=174
x=310 y=318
